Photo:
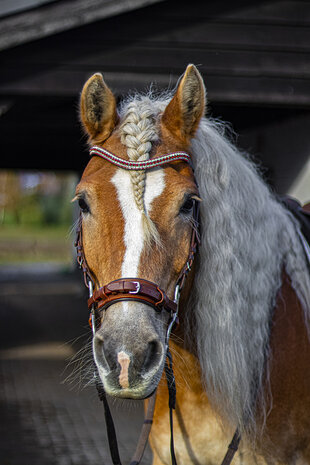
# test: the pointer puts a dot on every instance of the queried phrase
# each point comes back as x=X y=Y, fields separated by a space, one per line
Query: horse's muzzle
x=129 y=350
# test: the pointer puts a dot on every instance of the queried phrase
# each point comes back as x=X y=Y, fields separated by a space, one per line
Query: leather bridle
x=136 y=289
x=147 y=292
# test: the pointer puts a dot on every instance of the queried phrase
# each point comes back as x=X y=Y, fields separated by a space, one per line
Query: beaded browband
x=139 y=165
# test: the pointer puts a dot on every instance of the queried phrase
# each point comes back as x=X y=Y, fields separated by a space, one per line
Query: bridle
x=136 y=289
x=147 y=292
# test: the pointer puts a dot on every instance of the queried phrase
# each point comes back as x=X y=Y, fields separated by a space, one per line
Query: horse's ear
x=98 y=109
x=183 y=113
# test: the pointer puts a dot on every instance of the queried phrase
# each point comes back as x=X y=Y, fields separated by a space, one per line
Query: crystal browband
x=139 y=165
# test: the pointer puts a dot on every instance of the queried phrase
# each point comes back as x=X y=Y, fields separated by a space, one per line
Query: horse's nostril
x=102 y=356
x=153 y=354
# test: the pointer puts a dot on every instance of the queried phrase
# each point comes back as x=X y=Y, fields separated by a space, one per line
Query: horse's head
x=137 y=224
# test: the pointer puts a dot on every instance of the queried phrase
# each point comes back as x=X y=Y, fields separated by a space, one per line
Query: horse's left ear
x=183 y=113
x=98 y=109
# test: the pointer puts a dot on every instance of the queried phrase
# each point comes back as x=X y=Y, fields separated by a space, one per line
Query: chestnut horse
x=241 y=350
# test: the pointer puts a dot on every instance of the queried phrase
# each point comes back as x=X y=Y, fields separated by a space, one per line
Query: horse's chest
x=198 y=437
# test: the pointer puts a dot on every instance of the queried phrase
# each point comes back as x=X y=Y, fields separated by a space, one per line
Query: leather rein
x=149 y=293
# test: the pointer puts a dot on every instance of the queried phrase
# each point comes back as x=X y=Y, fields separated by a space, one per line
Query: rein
x=149 y=293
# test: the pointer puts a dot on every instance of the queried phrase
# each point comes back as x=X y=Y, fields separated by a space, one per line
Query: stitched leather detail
x=135 y=289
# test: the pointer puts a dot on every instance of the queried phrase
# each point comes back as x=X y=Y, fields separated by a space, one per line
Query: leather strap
x=301 y=213
x=132 y=289
x=172 y=401
x=232 y=448
x=192 y=249
x=145 y=432
x=80 y=257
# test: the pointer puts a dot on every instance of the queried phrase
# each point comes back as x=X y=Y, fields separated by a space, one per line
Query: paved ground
x=47 y=415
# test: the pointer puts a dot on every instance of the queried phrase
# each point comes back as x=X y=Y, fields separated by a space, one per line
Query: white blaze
x=133 y=234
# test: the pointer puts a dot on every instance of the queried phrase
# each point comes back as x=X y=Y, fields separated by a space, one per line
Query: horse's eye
x=187 y=206
x=83 y=205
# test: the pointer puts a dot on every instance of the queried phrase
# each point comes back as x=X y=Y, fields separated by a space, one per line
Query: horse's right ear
x=98 y=109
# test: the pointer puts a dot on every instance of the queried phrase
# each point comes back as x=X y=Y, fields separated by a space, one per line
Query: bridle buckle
x=92 y=317
x=177 y=292
x=138 y=287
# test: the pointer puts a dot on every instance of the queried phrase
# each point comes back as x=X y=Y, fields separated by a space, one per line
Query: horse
x=241 y=347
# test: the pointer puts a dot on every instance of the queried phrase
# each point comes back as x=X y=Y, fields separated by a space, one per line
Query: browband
x=139 y=165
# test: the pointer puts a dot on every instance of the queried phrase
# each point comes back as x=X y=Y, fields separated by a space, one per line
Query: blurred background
x=36 y=217
x=255 y=59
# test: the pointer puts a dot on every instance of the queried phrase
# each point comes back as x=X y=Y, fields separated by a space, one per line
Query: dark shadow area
x=49 y=412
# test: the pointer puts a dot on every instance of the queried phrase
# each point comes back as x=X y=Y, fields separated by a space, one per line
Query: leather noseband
x=132 y=289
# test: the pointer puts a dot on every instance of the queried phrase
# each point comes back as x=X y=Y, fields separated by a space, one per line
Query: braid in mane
x=138 y=131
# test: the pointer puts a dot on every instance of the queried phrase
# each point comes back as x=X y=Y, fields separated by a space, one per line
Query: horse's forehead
x=98 y=173
x=116 y=211
x=102 y=172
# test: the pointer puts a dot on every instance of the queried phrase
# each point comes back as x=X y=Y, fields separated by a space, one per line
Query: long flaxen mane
x=247 y=238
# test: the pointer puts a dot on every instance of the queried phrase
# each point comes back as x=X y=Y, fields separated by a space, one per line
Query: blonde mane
x=247 y=238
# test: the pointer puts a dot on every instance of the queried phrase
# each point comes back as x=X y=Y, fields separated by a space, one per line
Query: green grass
x=25 y=244
x=45 y=232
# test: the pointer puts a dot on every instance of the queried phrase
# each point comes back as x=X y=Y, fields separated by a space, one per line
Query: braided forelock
x=138 y=130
